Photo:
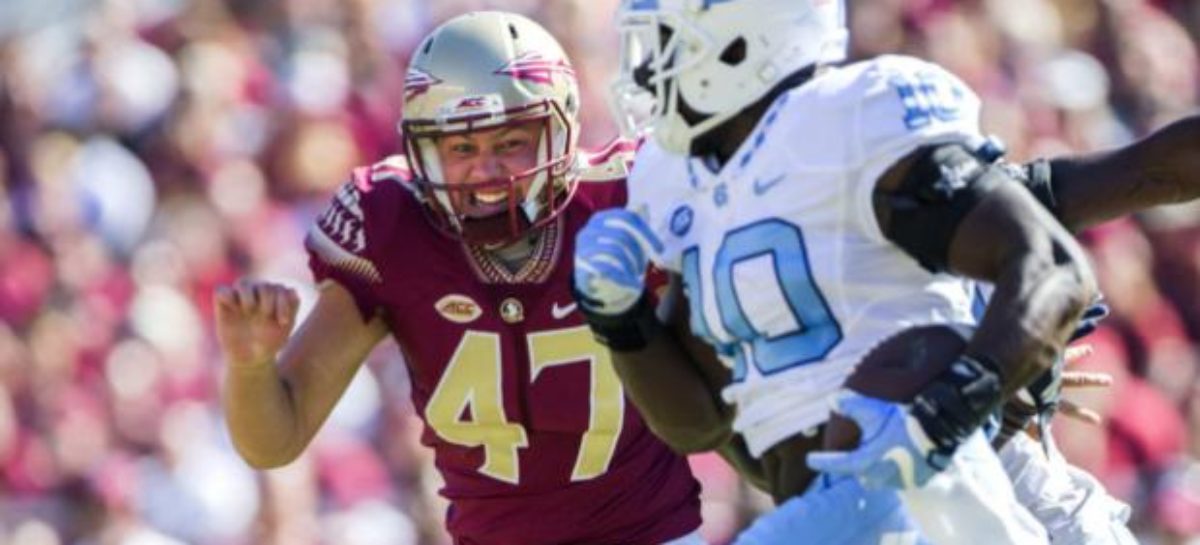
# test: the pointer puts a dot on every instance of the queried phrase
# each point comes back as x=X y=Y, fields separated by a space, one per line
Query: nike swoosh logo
x=562 y=312
x=761 y=187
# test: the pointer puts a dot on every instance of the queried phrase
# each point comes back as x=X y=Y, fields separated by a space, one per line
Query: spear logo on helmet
x=416 y=83
x=532 y=66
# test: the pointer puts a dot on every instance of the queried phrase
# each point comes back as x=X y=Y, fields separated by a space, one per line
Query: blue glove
x=893 y=452
x=612 y=253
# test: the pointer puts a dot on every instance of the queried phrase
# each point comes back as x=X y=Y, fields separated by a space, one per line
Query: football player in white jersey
x=811 y=211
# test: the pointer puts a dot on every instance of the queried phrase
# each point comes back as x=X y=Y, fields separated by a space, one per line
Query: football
x=896 y=369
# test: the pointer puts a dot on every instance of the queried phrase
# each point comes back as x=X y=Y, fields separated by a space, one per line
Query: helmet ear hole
x=735 y=52
x=512 y=30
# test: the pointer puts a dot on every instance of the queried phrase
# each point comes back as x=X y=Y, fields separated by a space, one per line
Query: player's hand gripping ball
x=871 y=428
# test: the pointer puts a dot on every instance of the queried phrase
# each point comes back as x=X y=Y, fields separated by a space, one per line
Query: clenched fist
x=254 y=320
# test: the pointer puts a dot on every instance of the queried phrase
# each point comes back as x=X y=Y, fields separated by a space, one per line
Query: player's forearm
x=737 y=454
x=1163 y=168
x=1028 y=321
x=672 y=377
x=261 y=415
x=673 y=396
x=1042 y=279
x=275 y=408
x=1032 y=313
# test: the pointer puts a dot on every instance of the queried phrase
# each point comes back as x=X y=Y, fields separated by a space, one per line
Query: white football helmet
x=718 y=56
x=480 y=71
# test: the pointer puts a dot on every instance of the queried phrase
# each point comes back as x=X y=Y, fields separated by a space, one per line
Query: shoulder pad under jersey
x=612 y=162
x=340 y=238
x=908 y=103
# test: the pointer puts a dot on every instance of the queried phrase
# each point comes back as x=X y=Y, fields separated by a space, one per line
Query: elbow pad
x=942 y=186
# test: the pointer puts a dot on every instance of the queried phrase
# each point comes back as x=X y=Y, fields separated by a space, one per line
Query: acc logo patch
x=459 y=309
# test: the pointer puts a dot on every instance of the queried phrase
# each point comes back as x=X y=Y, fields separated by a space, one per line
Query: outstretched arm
x=1163 y=168
x=672 y=377
x=275 y=405
x=675 y=382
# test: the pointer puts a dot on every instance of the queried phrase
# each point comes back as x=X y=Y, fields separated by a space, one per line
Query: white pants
x=1072 y=506
x=690 y=539
x=836 y=511
x=972 y=502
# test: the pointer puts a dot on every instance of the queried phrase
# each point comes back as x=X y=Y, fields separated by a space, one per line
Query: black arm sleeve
x=1038 y=178
x=944 y=183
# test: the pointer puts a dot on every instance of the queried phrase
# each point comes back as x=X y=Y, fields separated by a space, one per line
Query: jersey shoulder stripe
x=339 y=236
x=611 y=162
x=394 y=168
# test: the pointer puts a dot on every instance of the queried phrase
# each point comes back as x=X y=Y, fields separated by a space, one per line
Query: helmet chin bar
x=532 y=199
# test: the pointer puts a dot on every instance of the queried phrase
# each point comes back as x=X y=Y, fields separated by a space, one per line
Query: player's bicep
x=1006 y=223
x=323 y=354
x=954 y=211
x=911 y=105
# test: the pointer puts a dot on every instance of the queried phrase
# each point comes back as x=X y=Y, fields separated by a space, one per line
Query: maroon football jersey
x=531 y=428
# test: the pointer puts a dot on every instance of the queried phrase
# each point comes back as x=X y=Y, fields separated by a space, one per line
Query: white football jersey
x=786 y=269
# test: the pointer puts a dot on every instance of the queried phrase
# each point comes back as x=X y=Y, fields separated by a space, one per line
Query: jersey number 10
x=776 y=326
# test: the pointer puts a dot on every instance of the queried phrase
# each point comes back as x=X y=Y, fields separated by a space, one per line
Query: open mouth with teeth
x=482 y=204
x=496 y=211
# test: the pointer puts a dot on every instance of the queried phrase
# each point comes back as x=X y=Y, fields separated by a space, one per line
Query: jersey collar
x=490 y=269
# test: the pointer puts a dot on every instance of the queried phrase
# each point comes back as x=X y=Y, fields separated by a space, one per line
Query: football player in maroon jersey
x=460 y=249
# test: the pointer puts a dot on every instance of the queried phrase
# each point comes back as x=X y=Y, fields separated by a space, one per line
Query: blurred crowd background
x=152 y=149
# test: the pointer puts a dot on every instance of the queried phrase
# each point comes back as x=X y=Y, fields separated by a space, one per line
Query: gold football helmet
x=486 y=70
